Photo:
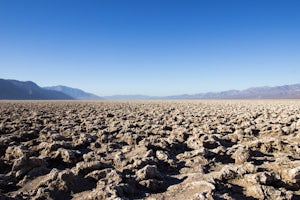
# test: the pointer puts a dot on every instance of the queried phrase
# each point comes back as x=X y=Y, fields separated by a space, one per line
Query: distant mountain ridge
x=265 y=92
x=130 y=97
x=74 y=92
x=277 y=92
x=28 y=90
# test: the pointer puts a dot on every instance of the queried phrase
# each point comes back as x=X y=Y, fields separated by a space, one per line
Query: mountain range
x=277 y=92
x=74 y=92
x=28 y=90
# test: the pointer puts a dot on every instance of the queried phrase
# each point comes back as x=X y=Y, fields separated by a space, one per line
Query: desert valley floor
x=150 y=149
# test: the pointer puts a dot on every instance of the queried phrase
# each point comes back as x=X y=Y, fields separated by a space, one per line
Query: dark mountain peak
x=27 y=90
x=24 y=84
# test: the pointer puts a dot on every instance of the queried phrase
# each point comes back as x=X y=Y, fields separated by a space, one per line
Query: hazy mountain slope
x=27 y=90
x=129 y=97
x=278 y=92
x=13 y=89
x=74 y=92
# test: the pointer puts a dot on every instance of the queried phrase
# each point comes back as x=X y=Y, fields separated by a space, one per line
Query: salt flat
x=150 y=149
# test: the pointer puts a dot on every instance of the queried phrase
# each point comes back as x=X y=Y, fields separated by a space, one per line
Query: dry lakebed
x=239 y=149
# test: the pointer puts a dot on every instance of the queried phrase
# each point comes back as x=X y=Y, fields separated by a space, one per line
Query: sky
x=151 y=47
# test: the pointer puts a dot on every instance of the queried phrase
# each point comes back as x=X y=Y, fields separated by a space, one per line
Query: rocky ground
x=150 y=150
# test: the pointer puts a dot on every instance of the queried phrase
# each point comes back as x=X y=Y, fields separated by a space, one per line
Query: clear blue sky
x=151 y=47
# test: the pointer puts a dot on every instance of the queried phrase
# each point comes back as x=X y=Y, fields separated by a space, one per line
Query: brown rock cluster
x=150 y=150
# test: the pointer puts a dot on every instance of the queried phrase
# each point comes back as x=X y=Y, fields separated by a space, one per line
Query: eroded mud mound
x=150 y=150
